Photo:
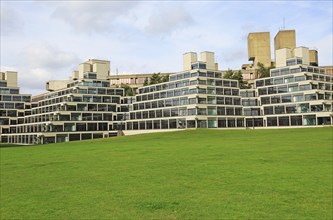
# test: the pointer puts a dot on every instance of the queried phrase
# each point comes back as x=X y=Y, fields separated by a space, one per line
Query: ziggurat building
x=86 y=106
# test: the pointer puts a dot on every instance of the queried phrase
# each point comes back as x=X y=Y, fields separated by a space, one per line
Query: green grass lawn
x=197 y=174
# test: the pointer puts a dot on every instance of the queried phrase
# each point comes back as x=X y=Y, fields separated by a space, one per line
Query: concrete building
x=91 y=69
x=83 y=109
x=197 y=97
x=13 y=105
x=313 y=57
x=285 y=39
x=328 y=70
x=259 y=48
x=135 y=81
x=295 y=94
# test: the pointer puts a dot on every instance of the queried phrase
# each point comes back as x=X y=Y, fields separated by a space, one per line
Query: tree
x=228 y=74
x=263 y=71
x=146 y=82
x=165 y=78
x=156 y=78
x=128 y=90
x=243 y=84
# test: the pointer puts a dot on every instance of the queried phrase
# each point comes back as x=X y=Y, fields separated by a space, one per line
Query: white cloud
x=48 y=56
x=146 y=36
x=7 y=68
x=168 y=19
x=324 y=46
x=11 y=22
x=92 y=16
x=43 y=62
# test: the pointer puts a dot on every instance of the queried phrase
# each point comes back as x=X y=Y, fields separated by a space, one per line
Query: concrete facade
x=285 y=39
x=313 y=56
x=295 y=94
x=13 y=105
x=259 y=48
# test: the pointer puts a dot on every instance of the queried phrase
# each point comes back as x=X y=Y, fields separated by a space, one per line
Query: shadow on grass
x=14 y=145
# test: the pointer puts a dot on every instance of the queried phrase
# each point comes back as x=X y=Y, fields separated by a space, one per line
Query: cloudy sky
x=45 y=40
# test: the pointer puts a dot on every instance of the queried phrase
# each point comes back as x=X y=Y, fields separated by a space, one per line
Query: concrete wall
x=313 y=57
x=83 y=68
x=281 y=57
x=304 y=53
x=11 y=78
x=285 y=39
x=53 y=85
x=209 y=59
x=259 y=48
x=134 y=132
x=100 y=67
x=188 y=59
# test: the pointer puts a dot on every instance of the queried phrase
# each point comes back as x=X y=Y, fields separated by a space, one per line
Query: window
x=166 y=112
x=227 y=91
x=220 y=100
x=286 y=98
x=202 y=111
x=268 y=110
x=230 y=111
x=272 y=90
x=283 y=121
x=300 y=78
x=304 y=87
x=228 y=101
x=289 y=79
x=282 y=89
x=268 y=82
x=275 y=73
x=296 y=120
x=278 y=81
x=192 y=111
x=259 y=83
x=220 y=111
x=262 y=91
x=292 y=88
x=271 y=121
x=291 y=109
x=279 y=109
x=275 y=99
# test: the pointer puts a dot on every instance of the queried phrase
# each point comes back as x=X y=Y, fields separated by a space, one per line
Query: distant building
x=296 y=94
x=91 y=104
x=259 y=49
x=285 y=39
x=328 y=70
x=313 y=57
x=135 y=81
x=83 y=108
x=13 y=105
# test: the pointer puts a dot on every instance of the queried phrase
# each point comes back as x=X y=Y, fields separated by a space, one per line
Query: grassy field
x=197 y=174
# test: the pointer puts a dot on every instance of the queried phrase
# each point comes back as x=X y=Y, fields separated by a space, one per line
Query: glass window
x=259 y=83
x=275 y=99
x=286 y=98
x=271 y=121
x=292 y=88
x=275 y=72
x=278 y=81
x=268 y=110
x=279 y=109
x=304 y=87
x=291 y=109
x=282 y=89
x=283 y=121
x=262 y=91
